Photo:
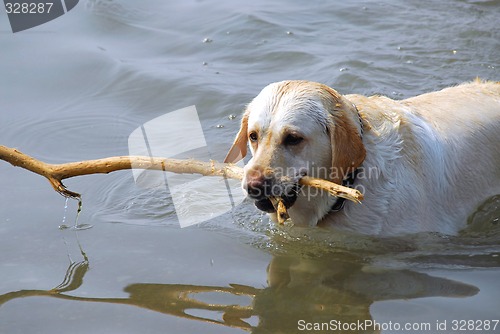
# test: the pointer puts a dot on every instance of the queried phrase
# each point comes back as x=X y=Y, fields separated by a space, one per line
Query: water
x=75 y=89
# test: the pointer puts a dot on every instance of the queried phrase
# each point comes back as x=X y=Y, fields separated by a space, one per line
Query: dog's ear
x=348 y=151
x=239 y=149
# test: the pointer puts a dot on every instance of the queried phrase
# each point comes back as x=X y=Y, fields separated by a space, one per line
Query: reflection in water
x=74 y=274
x=318 y=290
x=333 y=287
x=486 y=218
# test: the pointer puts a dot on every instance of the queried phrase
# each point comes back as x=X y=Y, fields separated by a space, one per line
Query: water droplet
x=232 y=116
x=343 y=69
x=64 y=214
x=207 y=40
x=289 y=33
x=454 y=52
x=219 y=126
x=205 y=63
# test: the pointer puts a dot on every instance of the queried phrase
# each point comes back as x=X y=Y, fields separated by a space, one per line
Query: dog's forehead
x=287 y=103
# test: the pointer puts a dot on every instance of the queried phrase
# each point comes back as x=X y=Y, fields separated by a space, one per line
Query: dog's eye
x=253 y=137
x=292 y=140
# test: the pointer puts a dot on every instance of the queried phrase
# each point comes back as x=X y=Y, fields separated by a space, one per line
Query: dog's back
x=466 y=118
x=446 y=150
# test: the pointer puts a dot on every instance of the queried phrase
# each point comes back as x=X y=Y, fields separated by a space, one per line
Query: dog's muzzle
x=266 y=205
x=262 y=188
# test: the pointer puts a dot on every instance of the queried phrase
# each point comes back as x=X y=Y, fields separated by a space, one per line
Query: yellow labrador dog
x=423 y=164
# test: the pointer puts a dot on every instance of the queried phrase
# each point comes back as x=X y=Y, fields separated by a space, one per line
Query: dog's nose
x=256 y=184
x=255 y=187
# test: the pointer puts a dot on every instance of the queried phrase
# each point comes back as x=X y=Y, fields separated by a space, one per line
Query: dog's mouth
x=265 y=204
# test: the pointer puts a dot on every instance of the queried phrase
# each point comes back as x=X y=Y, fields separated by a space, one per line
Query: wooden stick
x=333 y=188
x=279 y=206
x=55 y=173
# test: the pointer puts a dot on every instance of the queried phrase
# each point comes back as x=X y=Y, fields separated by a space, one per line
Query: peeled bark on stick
x=55 y=173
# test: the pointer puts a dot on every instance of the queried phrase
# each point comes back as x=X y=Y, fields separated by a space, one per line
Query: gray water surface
x=76 y=87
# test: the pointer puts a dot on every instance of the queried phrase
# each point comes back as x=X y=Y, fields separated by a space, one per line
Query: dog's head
x=297 y=128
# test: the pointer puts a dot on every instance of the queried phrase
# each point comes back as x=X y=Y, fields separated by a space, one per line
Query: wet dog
x=423 y=164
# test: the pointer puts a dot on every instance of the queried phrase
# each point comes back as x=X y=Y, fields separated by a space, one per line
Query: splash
x=76 y=226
